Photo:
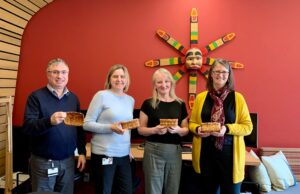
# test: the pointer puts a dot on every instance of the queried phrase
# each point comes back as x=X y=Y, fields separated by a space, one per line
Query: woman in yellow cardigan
x=220 y=156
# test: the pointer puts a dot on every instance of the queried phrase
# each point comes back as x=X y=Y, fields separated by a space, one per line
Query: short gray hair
x=56 y=60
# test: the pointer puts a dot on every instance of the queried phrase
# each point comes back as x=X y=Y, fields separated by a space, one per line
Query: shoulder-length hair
x=107 y=84
x=230 y=81
x=155 y=98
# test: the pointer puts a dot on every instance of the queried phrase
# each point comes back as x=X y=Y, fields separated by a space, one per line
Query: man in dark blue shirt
x=53 y=142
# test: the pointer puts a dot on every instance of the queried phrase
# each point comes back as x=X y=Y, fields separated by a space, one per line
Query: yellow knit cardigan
x=242 y=127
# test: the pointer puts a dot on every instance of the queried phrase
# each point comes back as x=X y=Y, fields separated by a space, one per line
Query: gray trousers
x=63 y=182
x=162 y=168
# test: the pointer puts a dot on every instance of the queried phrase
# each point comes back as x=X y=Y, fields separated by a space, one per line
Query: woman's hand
x=182 y=131
x=201 y=134
x=116 y=127
x=221 y=133
x=174 y=130
x=160 y=130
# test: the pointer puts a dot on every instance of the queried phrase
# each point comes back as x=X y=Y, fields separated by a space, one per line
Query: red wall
x=93 y=35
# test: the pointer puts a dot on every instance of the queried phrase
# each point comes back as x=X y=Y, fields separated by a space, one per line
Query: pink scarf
x=217 y=113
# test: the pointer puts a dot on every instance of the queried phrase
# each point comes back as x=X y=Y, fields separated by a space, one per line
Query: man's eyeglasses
x=220 y=72
x=56 y=72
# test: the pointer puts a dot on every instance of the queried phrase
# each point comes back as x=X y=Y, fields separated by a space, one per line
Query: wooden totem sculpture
x=193 y=58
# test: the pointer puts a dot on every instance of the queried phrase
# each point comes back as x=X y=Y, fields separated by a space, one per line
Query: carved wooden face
x=193 y=58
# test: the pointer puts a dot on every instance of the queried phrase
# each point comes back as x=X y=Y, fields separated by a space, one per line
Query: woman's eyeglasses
x=220 y=72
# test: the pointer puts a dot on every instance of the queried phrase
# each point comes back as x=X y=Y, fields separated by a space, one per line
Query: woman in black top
x=162 y=155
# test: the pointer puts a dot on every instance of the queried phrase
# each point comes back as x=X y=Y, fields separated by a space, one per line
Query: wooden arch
x=14 y=16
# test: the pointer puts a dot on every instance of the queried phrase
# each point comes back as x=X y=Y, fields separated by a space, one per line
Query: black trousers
x=217 y=169
x=112 y=178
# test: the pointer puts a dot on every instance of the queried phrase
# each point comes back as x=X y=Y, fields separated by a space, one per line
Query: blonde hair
x=155 y=98
x=107 y=84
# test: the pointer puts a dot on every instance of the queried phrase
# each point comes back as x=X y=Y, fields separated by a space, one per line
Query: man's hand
x=58 y=117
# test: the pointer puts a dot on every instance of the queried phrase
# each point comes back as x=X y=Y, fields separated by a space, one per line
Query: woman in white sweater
x=110 y=142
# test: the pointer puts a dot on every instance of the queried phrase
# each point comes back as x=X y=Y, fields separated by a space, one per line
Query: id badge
x=52 y=172
x=107 y=161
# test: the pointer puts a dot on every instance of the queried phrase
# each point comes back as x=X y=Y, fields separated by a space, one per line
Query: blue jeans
x=112 y=178
x=63 y=182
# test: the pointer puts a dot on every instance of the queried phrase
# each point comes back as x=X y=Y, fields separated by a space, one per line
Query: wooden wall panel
x=7 y=91
x=20 y=6
x=9 y=57
x=8 y=74
x=12 y=65
x=11 y=18
x=48 y=1
x=9 y=39
x=10 y=48
x=9 y=7
x=2 y=152
x=11 y=30
x=2 y=170
x=2 y=163
x=39 y=3
x=3 y=119
x=10 y=33
x=10 y=83
x=2 y=144
x=2 y=110
x=29 y=5
x=12 y=101
x=3 y=127
x=3 y=136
